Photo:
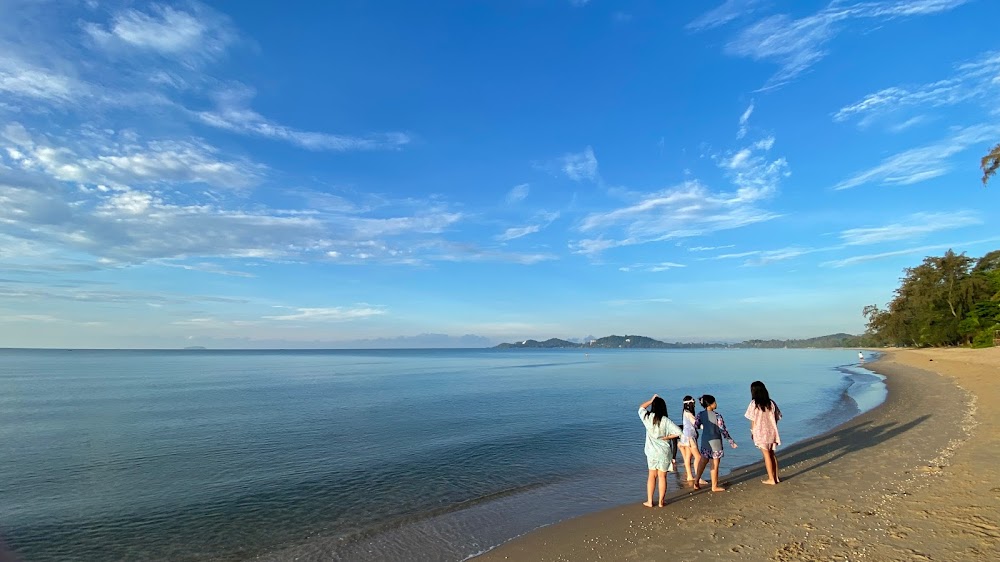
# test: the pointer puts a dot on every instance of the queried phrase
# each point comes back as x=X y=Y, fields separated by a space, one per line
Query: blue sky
x=354 y=173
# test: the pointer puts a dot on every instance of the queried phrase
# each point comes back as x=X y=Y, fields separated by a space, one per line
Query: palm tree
x=990 y=163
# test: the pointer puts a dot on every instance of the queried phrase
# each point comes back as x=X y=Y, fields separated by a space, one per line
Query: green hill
x=643 y=342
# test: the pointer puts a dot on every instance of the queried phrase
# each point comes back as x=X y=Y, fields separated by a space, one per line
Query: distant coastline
x=643 y=342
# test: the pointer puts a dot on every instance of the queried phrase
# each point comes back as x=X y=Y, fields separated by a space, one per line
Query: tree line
x=946 y=300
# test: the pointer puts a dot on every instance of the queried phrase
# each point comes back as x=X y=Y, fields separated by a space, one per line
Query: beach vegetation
x=947 y=300
x=990 y=163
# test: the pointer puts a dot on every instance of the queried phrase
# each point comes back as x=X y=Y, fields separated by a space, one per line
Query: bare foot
x=717 y=489
x=661 y=504
x=647 y=504
x=697 y=484
x=768 y=482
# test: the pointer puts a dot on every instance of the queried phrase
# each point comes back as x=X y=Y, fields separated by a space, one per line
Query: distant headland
x=643 y=342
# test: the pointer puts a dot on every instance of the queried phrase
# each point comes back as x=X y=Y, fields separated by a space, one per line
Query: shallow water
x=357 y=455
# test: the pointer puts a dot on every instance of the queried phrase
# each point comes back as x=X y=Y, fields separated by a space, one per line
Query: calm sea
x=357 y=455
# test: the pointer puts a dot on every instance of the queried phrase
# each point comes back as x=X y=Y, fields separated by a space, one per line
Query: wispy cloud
x=22 y=79
x=518 y=193
x=234 y=114
x=688 y=210
x=194 y=35
x=766 y=257
x=909 y=123
x=331 y=314
x=728 y=11
x=796 y=44
x=710 y=248
x=543 y=221
x=125 y=162
x=914 y=226
x=652 y=267
x=691 y=209
x=580 y=166
x=972 y=81
x=149 y=68
x=744 y=121
x=854 y=260
x=922 y=163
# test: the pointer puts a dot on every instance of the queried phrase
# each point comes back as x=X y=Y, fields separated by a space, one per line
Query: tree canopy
x=948 y=300
x=990 y=163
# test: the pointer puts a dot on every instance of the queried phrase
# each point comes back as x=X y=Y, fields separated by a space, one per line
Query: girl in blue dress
x=713 y=429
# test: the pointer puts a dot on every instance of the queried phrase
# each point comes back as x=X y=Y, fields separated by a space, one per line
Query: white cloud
x=728 y=11
x=200 y=33
x=208 y=268
x=922 y=163
x=972 y=81
x=467 y=252
x=766 y=257
x=691 y=209
x=579 y=3
x=710 y=248
x=744 y=120
x=739 y=159
x=580 y=166
x=544 y=220
x=518 y=193
x=22 y=79
x=854 y=260
x=518 y=232
x=653 y=267
x=909 y=123
x=796 y=44
x=915 y=226
x=332 y=314
x=125 y=163
x=234 y=114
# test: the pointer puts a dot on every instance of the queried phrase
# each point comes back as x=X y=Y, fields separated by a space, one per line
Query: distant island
x=643 y=342
x=195 y=348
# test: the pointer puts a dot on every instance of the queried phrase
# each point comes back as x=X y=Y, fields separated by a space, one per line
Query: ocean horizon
x=366 y=454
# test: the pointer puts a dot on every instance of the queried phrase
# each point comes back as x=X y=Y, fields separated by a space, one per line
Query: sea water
x=358 y=455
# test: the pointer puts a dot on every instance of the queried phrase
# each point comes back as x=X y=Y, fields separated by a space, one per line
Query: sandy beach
x=915 y=479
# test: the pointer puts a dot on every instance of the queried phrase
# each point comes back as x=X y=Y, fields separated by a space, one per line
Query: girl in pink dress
x=764 y=414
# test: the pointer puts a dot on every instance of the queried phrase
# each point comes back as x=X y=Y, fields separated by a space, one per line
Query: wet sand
x=917 y=478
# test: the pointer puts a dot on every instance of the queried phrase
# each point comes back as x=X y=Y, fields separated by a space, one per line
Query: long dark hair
x=758 y=392
x=659 y=410
x=688 y=403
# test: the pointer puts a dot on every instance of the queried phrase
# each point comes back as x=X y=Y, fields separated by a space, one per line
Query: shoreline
x=861 y=490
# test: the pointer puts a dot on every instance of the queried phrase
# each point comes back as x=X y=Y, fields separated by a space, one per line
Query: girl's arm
x=722 y=428
x=777 y=412
x=673 y=432
x=646 y=404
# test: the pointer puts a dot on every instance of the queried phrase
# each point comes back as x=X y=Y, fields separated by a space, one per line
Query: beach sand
x=917 y=478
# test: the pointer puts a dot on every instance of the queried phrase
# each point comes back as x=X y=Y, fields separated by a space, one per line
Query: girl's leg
x=688 y=459
x=774 y=461
x=673 y=455
x=662 y=477
x=769 y=465
x=702 y=463
x=650 y=484
x=715 y=476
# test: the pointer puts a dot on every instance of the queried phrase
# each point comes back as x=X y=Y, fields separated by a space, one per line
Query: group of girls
x=700 y=439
